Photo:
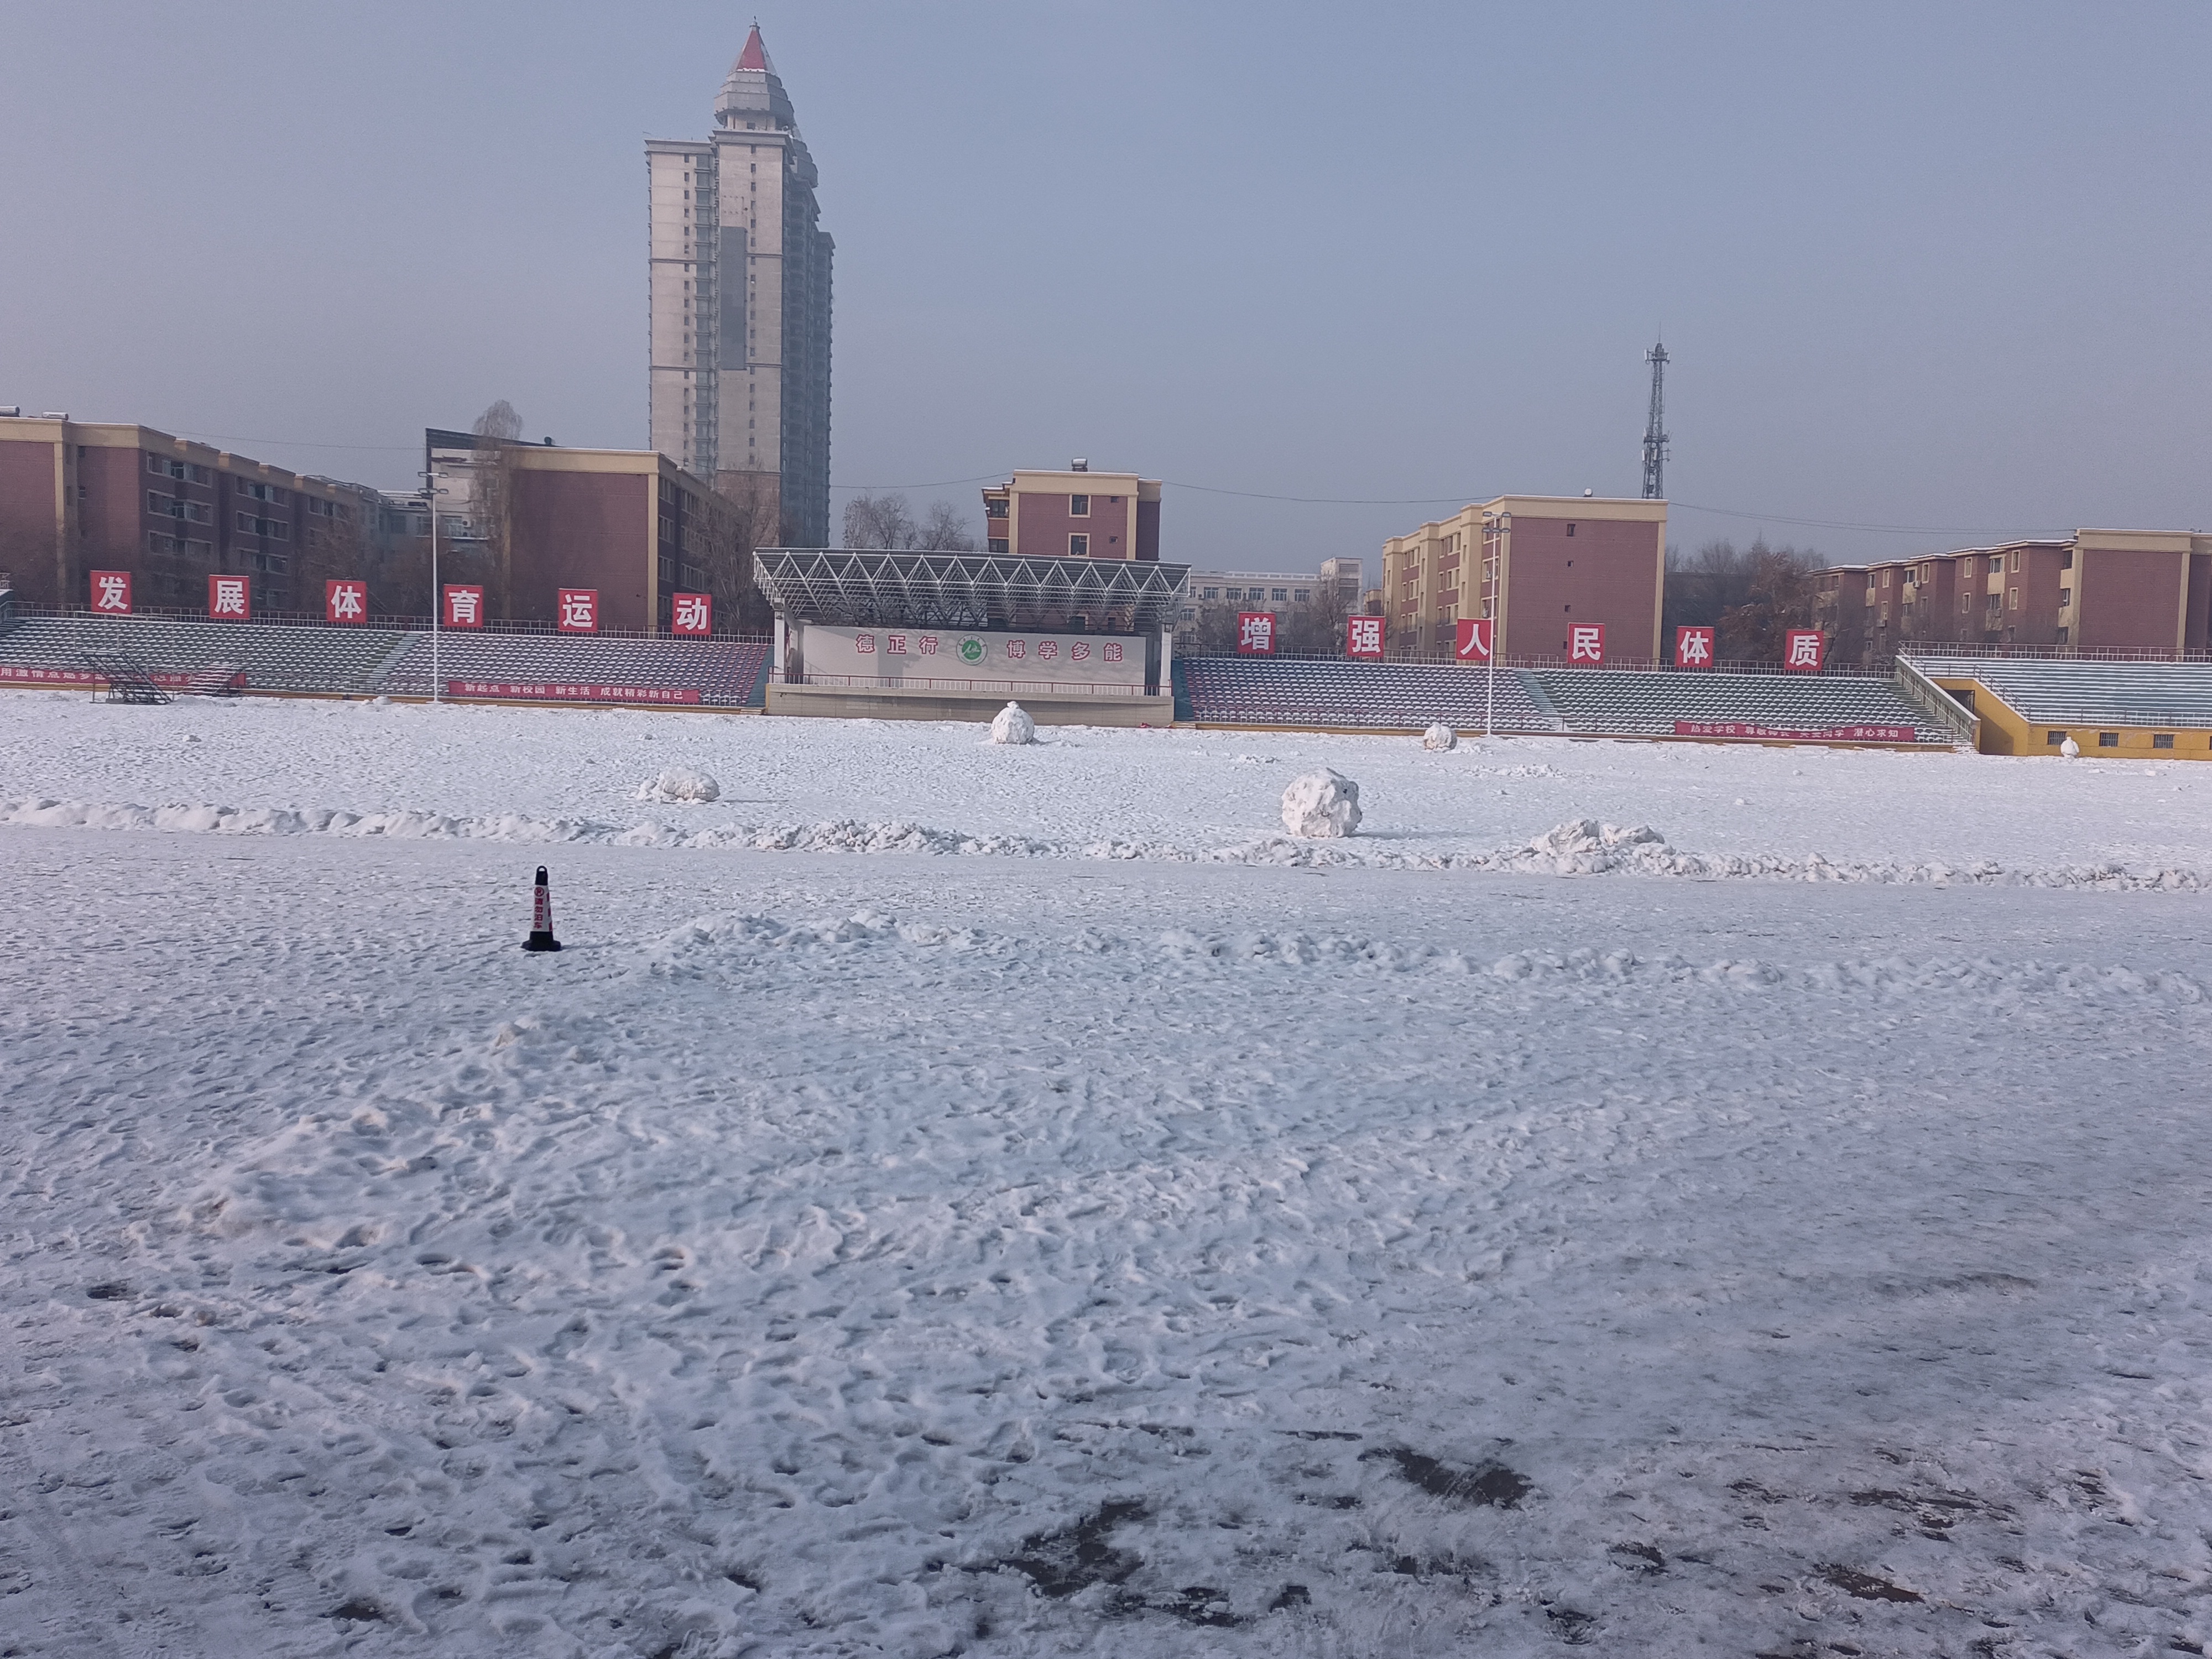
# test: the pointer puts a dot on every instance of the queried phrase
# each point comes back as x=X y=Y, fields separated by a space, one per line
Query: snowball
x=1440 y=737
x=1013 y=725
x=2070 y=748
x=1322 y=804
x=679 y=784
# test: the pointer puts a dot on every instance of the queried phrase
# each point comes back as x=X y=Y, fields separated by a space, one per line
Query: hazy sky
x=1938 y=266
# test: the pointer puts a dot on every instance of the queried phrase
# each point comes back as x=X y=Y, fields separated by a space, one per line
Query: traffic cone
x=541 y=919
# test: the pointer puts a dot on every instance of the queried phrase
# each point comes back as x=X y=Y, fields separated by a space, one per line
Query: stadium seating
x=2070 y=691
x=1388 y=697
x=370 y=661
x=726 y=673
x=273 y=656
x=1625 y=702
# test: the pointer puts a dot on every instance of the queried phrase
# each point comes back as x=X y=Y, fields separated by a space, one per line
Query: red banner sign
x=692 y=615
x=1255 y=634
x=464 y=606
x=230 y=597
x=1363 y=636
x=111 y=593
x=570 y=692
x=1586 y=643
x=1475 y=637
x=1804 y=649
x=1693 y=647
x=1796 y=734
x=345 y=602
x=580 y=611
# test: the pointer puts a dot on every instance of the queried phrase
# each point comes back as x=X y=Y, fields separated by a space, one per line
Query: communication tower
x=1654 y=431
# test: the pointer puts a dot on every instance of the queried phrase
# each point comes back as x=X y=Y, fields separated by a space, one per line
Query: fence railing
x=2051 y=652
x=1009 y=687
x=399 y=625
x=1834 y=670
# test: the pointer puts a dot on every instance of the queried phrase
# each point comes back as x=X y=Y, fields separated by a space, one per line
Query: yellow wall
x=2005 y=731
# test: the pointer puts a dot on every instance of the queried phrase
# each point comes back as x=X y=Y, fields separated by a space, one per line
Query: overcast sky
x=1937 y=267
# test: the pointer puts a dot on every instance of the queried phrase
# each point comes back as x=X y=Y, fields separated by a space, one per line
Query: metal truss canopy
x=969 y=590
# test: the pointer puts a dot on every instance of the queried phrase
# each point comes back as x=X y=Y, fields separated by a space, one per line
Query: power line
x=1839 y=524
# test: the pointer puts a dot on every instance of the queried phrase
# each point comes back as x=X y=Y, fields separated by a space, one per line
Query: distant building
x=77 y=496
x=1563 y=561
x=1335 y=588
x=740 y=284
x=525 y=520
x=1078 y=513
x=2098 y=590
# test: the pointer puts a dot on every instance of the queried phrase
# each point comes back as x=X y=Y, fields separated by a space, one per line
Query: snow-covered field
x=1783 y=1230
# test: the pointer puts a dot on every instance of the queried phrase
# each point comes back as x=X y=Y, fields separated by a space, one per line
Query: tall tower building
x=740 y=293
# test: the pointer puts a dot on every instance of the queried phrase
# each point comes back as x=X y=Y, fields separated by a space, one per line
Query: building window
x=2108 y=740
x=1570 y=530
x=2015 y=561
x=2066 y=560
x=1280 y=593
x=1997 y=565
x=1078 y=547
x=2054 y=738
x=2062 y=633
x=1302 y=596
x=1078 y=507
x=2161 y=740
x=1210 y=594
x=2065 y=596
x=2012 y=599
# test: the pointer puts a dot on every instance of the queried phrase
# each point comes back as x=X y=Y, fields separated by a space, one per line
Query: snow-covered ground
x=1207 y=1250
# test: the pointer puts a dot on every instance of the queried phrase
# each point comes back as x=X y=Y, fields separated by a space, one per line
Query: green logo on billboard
x=971 y=650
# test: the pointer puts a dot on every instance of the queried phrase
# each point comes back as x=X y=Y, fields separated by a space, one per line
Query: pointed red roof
x=755 y=55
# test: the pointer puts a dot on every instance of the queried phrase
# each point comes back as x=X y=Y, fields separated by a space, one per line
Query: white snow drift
x=680 y=785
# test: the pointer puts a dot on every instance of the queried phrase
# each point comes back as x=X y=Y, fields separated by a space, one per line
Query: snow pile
x=1321 y=805
x=680 y=785
x=1012 y=724
x=1440 y=738
x=2070 y=748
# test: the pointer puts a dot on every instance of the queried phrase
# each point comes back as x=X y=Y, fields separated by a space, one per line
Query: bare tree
x=886 y=522
x=1779 y=595
x=491 y=505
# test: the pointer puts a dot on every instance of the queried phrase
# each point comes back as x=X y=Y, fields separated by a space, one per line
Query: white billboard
x=956 y=658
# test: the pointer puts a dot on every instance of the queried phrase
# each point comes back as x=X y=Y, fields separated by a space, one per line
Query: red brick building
x=2099 y=590
x=1078 y=513
x=1538 y=566
x=79 y=496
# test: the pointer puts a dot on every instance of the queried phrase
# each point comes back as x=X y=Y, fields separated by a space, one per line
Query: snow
x=680 y=785
x=1440 y=738
x=1012 y=724
x=943 y=1201
x=1320 y=805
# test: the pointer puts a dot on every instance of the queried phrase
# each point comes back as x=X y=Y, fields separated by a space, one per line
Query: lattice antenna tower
x=1655 y=430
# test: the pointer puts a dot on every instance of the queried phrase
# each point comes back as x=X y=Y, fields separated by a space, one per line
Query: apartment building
x=1539 y=567
x=2097 y=590
x=1076 y=513
x=77 y=496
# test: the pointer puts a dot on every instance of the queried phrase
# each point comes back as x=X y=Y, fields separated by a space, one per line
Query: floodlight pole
x=1494 y=526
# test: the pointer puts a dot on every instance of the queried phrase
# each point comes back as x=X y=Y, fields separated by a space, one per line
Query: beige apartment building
x=1075 y=514
x=1546 y=564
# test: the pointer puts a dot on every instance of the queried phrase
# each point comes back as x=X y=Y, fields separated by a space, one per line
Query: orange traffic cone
x=541 y=919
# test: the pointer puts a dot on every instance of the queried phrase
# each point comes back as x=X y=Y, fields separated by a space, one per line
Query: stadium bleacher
x=1594 y=703
x=1358 y=695
x=1623 y=701
x=2070 y=691
x=273 y=656
x=373 y=661
x=726 y=673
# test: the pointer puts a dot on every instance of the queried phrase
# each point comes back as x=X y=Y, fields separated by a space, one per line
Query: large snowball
x=680 y=784
x=1440 y=737
x=2069 y=748
x=1013 y=725
x=1322 y=804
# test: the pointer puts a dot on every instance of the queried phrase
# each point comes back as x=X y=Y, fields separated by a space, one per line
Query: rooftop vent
x=1078 y=465
x=55 y=414
x=12 y=410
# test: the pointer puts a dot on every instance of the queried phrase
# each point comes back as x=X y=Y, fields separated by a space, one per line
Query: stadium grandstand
x=1573 y=702
x=190 y=655
x=2032 y=704
x=944 y=636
